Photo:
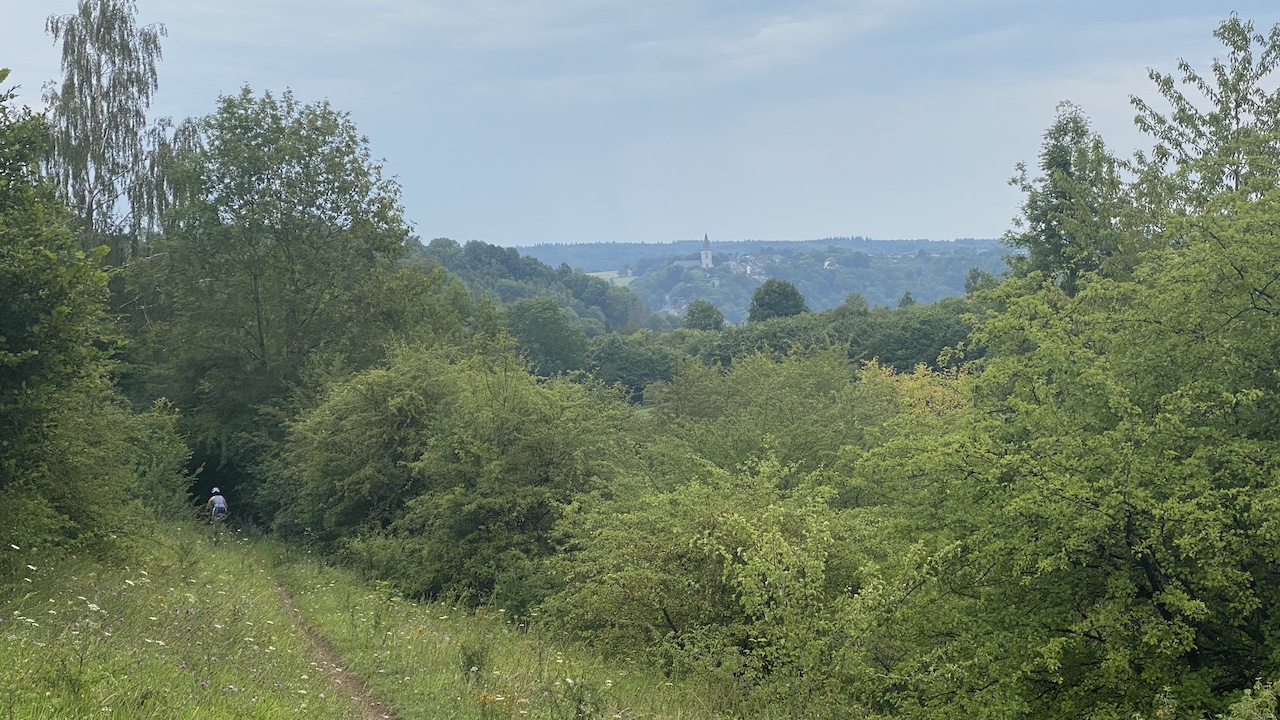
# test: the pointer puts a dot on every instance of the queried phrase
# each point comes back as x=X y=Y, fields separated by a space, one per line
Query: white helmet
x=216 y=491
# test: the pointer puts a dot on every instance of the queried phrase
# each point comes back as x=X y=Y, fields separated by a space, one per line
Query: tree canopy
x=776 y=299
x=104 y=158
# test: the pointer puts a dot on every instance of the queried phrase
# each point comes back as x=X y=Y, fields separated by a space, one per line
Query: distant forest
x=604 y=256
x=885 y=273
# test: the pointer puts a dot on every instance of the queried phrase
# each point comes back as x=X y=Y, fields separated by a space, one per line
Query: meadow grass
x=436 y=661
x=183 y=627
x=176 y=628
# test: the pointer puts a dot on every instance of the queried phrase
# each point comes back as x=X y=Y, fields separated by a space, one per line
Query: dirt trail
x=327 y=660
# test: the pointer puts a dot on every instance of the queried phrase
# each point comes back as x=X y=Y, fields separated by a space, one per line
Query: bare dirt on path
x=331 y=664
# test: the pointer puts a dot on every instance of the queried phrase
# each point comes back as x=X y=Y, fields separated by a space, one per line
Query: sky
x=518 y=122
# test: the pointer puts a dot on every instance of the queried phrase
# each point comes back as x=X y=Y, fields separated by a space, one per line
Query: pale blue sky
x=519 y=122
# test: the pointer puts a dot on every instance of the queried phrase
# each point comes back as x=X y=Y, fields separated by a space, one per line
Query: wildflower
x=204 y=683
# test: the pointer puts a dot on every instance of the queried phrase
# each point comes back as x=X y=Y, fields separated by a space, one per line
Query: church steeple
x=706 y=251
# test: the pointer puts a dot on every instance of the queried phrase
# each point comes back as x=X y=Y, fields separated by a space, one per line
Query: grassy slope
x=434 y=661
x=187 y=629
x=179 y=630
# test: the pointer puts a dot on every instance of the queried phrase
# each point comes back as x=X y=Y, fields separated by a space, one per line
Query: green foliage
x=729 y=579
x=551 y=342
x=51 y=299
x=66 y=460
x=775 y=299
x=161 y=466
x=1070 y=223
x=502 y=273
x=703 y=315
x=634 y=361
x=902 y=338
x=909 y=336
x=800 y=409
x=276 y=266
x=446 y=473
x=104 y=162
x=1224 y=140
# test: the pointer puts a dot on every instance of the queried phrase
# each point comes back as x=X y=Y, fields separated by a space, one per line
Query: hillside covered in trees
x=639 y=257
x=1055 y=495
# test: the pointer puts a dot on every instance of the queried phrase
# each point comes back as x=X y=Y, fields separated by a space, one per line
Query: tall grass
x=178 y=628
x=435 y=661
x=183 y=627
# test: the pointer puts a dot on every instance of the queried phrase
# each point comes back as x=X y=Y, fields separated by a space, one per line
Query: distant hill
x=666 y=276
x=506 y=276
x=603 y=256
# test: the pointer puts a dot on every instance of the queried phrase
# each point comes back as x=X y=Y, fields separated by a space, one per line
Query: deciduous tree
x=275 y=254
x=703 y=315
x=776 y=298
x=105 y=160
x=1070 y=222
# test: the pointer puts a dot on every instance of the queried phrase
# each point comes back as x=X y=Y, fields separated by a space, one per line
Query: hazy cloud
x=520 y=121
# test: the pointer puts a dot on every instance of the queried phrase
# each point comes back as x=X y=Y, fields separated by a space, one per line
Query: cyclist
x=217 y=506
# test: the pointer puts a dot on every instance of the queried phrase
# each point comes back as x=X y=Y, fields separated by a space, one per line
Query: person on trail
x=217 y=506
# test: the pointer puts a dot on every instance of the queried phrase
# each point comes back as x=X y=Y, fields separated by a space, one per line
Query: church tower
x=706 y=251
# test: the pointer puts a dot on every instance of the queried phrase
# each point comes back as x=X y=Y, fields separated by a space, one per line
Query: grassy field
x=437 y=661
x=182 y=629
x=186 y=628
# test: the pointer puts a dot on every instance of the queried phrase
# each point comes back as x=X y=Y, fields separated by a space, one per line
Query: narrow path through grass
x=343 y=680
x=178 y=628
x=182 y=627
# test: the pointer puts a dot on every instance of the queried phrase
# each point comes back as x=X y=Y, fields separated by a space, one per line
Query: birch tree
x=104 y=154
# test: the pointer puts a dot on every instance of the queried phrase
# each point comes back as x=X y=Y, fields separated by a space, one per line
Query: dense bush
x=446 y=471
